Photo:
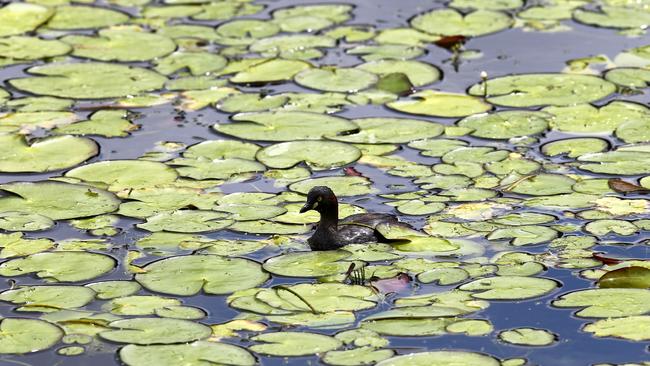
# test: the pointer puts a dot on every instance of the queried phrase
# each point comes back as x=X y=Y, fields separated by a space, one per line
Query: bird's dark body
x=331 y=233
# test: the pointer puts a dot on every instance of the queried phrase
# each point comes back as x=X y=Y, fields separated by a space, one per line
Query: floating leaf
x=85 y=17
x=318 y=155
x=417 y=72
x=89 y=80
x=30 y=48
x=510 y=287
x=187 y=221
x=607 y=303
x=103 y=123
x=635 y=328
x=188 y=275
x=284 y=126
x=48 y=298
x=344 y=80
x=293 y=343
x=274 y=70
x=194 y=353
x=358 y=356
x=630 y=78
x=60 y=266
x=613 y=17
x=309 y=264
x=585 y=118
x=18 y=18
x=450 y=22
x=123 y=174
x=146 y=331
x=528 y=337
x=198 y=63
x=24 y=221
x=125 y=45
x=57 y=200
x=574 y=147
x=456 y=358
x=107 y=290
x=27 y=335
x=627 y=277
x=432 y=103
x=390 y=130
x=53 y=153
x=342 y=186
x=529 y=90
x=505 y=125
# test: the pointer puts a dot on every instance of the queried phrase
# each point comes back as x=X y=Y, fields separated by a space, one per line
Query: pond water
x=151 y=169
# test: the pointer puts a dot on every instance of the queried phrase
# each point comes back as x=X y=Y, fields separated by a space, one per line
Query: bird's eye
x=320 y=198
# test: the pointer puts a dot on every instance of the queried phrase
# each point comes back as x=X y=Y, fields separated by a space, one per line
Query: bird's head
x=319 y=198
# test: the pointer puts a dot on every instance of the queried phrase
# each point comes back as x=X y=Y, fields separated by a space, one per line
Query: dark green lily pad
x=24 y=221
x=85 y=17
x=433 y=103
x=188 y=275
x=284 y=126
x=344 y=80
x=54 y=153
x=505 y=125
x=620 y=162
x=309 y=264
x=299 y=46
x=56 y=200
x=342 y=186
x=318 y=155
x=456 y=358
x=626 y=277
x=187 y=221
x=487 y=4
x=629 y=77
x=386 y=52
x=613 y=17
x=529 y=90
x=31 y=48
x=575 y=147
x=89 y=80
x=18 y=18
x=123 y=45
x=49 y=298
x=203 y=168
x=417 y=72
x=450 y=22
x=146 y=331
x=60 y=266
x=607 y=302
x=271 y=71
x=107 y=290
x=102 y=123
x=294 y=343
x=357 y=356
x=528 y=337
x=390 y=130
x=510 y=287
x=635 y=328
x=195 y=353
x=540 y=185
x=585 y=118
x=21 y=336
x=122 y=174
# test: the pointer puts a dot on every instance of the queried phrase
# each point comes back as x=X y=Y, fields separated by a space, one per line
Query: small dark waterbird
x=331 y=233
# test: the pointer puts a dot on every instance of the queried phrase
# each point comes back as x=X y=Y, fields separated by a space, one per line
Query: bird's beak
x=309 y=205
x=306 y=207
